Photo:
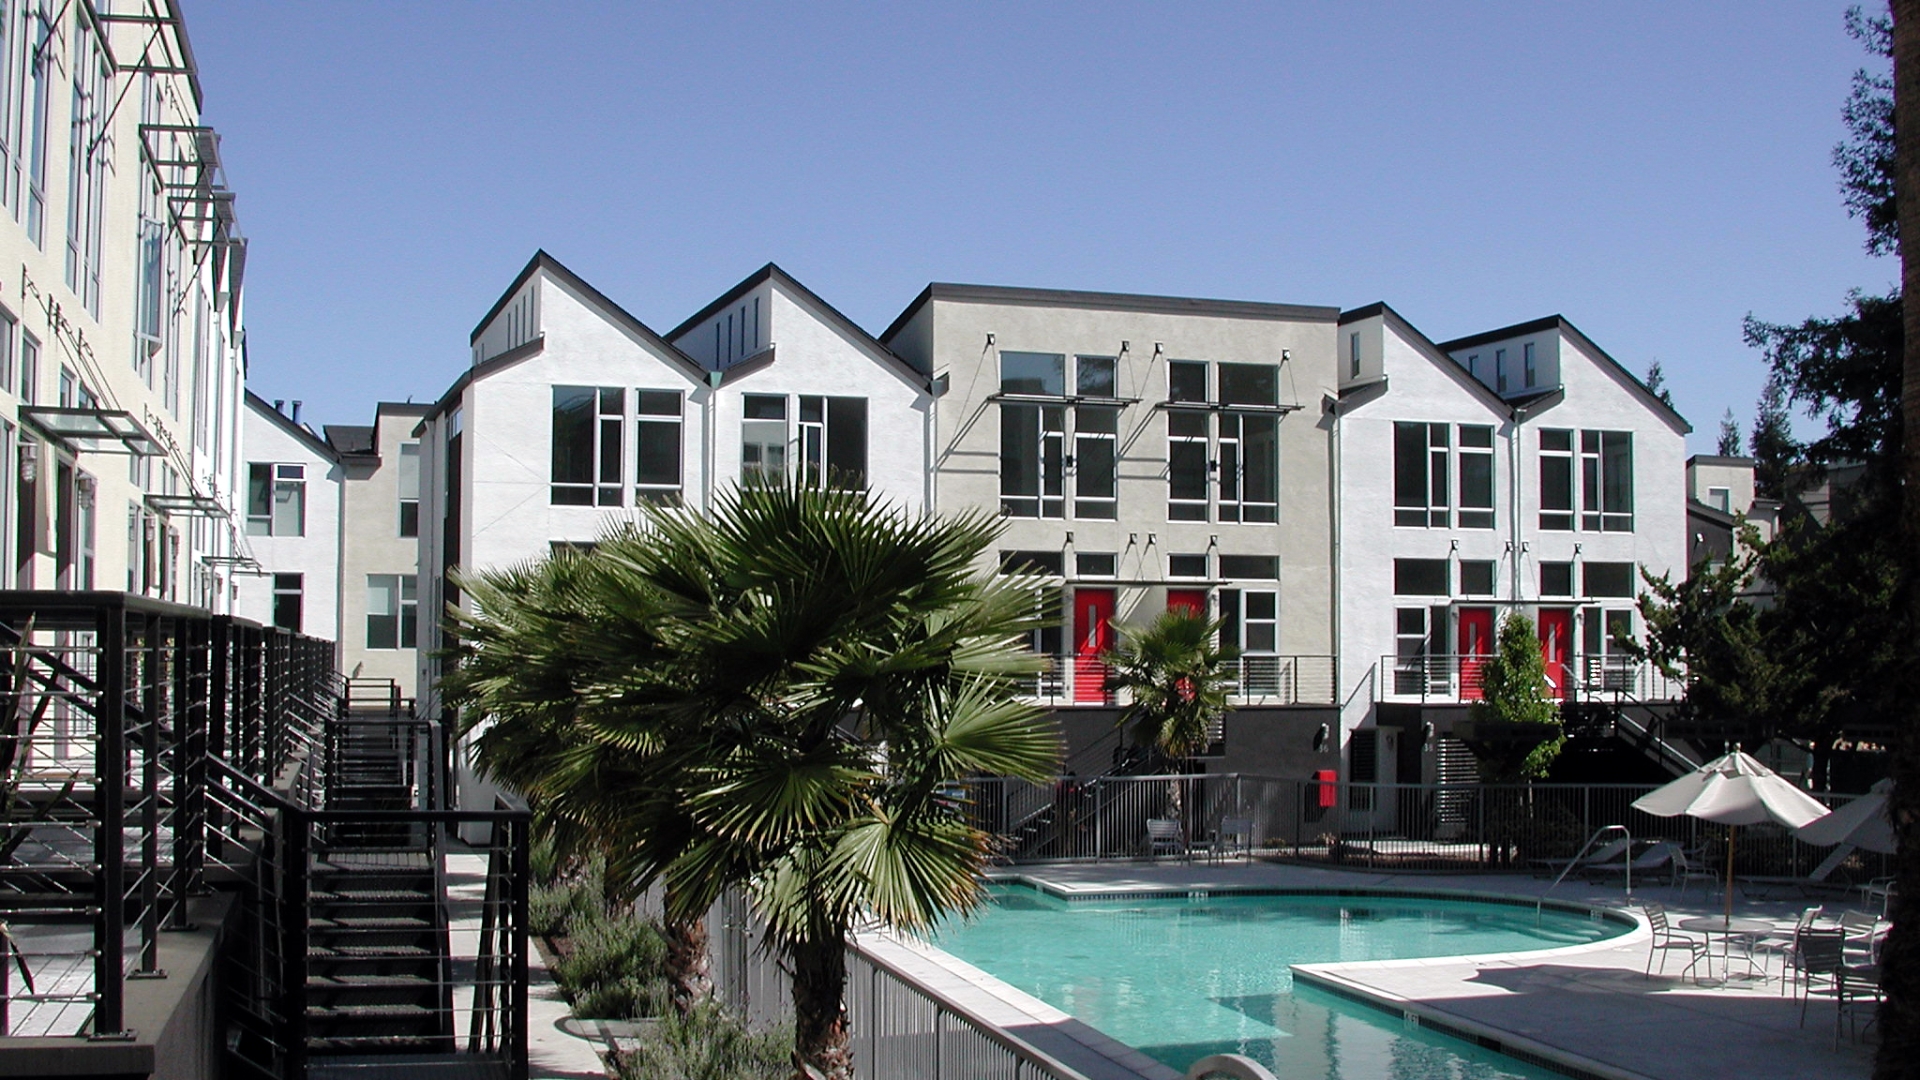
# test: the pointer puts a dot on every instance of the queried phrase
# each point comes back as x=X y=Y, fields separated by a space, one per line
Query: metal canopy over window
x=99 y=431
x=192 y=504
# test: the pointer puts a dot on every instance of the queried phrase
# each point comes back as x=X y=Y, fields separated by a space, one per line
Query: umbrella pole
x=1731 y=830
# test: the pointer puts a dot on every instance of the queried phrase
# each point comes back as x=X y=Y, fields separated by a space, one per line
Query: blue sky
x=1654 y=171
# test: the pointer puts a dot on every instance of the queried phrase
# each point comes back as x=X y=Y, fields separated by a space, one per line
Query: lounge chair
x=1667 y=939
x=1817 y=880
x=1663 y=856
x=1612 y=851
x=1165 y=836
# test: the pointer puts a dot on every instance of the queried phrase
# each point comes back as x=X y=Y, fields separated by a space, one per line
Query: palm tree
x=793 y=691
x=1179 y=677
x=524 y=655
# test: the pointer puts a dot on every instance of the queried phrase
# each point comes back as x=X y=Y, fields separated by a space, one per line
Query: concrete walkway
x=552 y=1053
x=1587 y=1007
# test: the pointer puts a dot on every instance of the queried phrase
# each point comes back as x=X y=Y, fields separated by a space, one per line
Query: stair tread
x=368 y=952
x=382 y=1011
x=366 y=982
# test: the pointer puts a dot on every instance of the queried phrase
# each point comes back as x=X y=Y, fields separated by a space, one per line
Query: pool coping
x=1002 y=996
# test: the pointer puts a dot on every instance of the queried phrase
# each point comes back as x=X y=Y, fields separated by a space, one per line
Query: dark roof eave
x=1140 y=302
x=1560 y=323
x=772 y=272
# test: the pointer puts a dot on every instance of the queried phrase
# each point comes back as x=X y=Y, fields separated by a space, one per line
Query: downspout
x=709 y=435
x=1332 y=405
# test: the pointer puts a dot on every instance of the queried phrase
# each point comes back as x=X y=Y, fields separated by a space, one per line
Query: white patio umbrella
x=1862 y=823
x=1733 y=790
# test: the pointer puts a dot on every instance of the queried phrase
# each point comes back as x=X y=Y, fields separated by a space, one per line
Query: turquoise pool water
x=1179 y=979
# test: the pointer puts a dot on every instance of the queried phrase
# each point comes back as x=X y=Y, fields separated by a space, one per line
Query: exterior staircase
x=379 y=978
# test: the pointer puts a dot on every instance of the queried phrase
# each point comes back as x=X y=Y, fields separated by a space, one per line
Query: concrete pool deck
x=1585 y=1008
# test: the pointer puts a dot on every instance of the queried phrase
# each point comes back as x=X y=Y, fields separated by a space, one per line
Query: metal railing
x=1429 y=827
x=900 y=1028
x=1452 y=677
x=1257 y=679
x=111 y=708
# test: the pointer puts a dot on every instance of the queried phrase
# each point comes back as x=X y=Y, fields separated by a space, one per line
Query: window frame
x=1606 y=480
x=402 y=599
x=1555 y=462
x=1428 y=506
x=604 y=432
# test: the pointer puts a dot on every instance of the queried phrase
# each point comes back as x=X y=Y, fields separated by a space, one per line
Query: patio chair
x=1823 y=963
x=1666 y=939
x=1165 y=836
x=1233 y=839
x=1785 y=945
x=1692 y=866
x=1861 y=932
x=1613 y=851
x=1881 y=889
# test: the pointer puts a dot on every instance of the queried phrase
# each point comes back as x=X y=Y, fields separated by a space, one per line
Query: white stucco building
x=121 y=340
x=1520 y=469
x=379 y=625
x=293 y=524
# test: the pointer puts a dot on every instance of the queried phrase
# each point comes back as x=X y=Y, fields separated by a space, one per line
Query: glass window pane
x=1250 y=567
x=766 y=407
x=1187 y=470
x=1033 y=373
x=1186 y=381
x=847 y=441
x=573 y=419
x=408 y=476
x=1556 y=483
x=1551 y=439
x=1020 y=452
x=1187 y=566
x=1250 y=384
x=1410 y=465
x=1476 y=480
x=1618 y=465
x=1094 y=466
x=1095 y=377
x=658 y=402
x=1420 y=577
x=659 y=453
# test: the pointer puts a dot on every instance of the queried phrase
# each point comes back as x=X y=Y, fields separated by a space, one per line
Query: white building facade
x=379 y=628
x=1518 y=470
x=293 y=524
x=121 y=336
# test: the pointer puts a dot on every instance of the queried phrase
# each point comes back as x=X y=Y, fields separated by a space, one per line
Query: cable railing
x=1267 y=679
x=1456 y=677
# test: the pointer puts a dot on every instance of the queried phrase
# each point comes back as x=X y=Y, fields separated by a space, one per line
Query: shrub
x=613 y=963
x=706 y=1045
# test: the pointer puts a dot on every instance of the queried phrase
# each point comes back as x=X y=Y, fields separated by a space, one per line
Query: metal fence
x=1431 y=827
x=1257 y=679
x=900 y=1028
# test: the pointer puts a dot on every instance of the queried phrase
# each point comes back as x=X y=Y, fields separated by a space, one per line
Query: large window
x=1420 y=485
x=1052 y=439
x=287 y=592
x=1606 y=481
x=763 y=439
x=86 y=163
x=587 y=425
x=393 y=611
x=833 y=441
x=1556 y=479
x=408 y=479
x=37 y=61
x=1476 y=476
x=276 y=499
x=1231 y=437
x=657 y=439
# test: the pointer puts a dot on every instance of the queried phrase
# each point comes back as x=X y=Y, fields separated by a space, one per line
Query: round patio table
x=1727 y=929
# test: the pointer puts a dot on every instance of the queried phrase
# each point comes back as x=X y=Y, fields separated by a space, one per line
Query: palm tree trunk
x=821 y=1050
x=687 y=959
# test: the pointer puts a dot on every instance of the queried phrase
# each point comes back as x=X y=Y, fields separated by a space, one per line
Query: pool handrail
x=1230 y=1066
x=1541 y=900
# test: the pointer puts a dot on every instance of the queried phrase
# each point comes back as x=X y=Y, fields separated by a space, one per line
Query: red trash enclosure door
x=1194 y=600
x=1556 y=648
x=1092 y=636
x=1476 y=644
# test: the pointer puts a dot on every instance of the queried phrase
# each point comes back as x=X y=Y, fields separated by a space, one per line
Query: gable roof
x=772 y=272
x=1424 y=345
x=314 y=442
x=1560 y=323
x=1142 y=302
x=542 y=261
x=351 y=439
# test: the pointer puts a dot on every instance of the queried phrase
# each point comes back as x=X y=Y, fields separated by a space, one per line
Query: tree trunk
x=687 y=963
x=1900 y=978
x=821 y=1050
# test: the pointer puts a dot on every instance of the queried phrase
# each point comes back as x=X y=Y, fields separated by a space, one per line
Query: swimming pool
x=1180 y=978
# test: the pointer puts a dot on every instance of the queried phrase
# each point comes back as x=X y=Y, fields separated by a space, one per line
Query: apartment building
x=379 y=625
x=294 y=485
x=1523 y=469
x=1146 y=452
x=121 y=336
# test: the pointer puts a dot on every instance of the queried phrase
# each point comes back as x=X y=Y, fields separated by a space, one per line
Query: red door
x=1476 y=644
x=1556 y=647
x=1194 y=600
x=1092 y=637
